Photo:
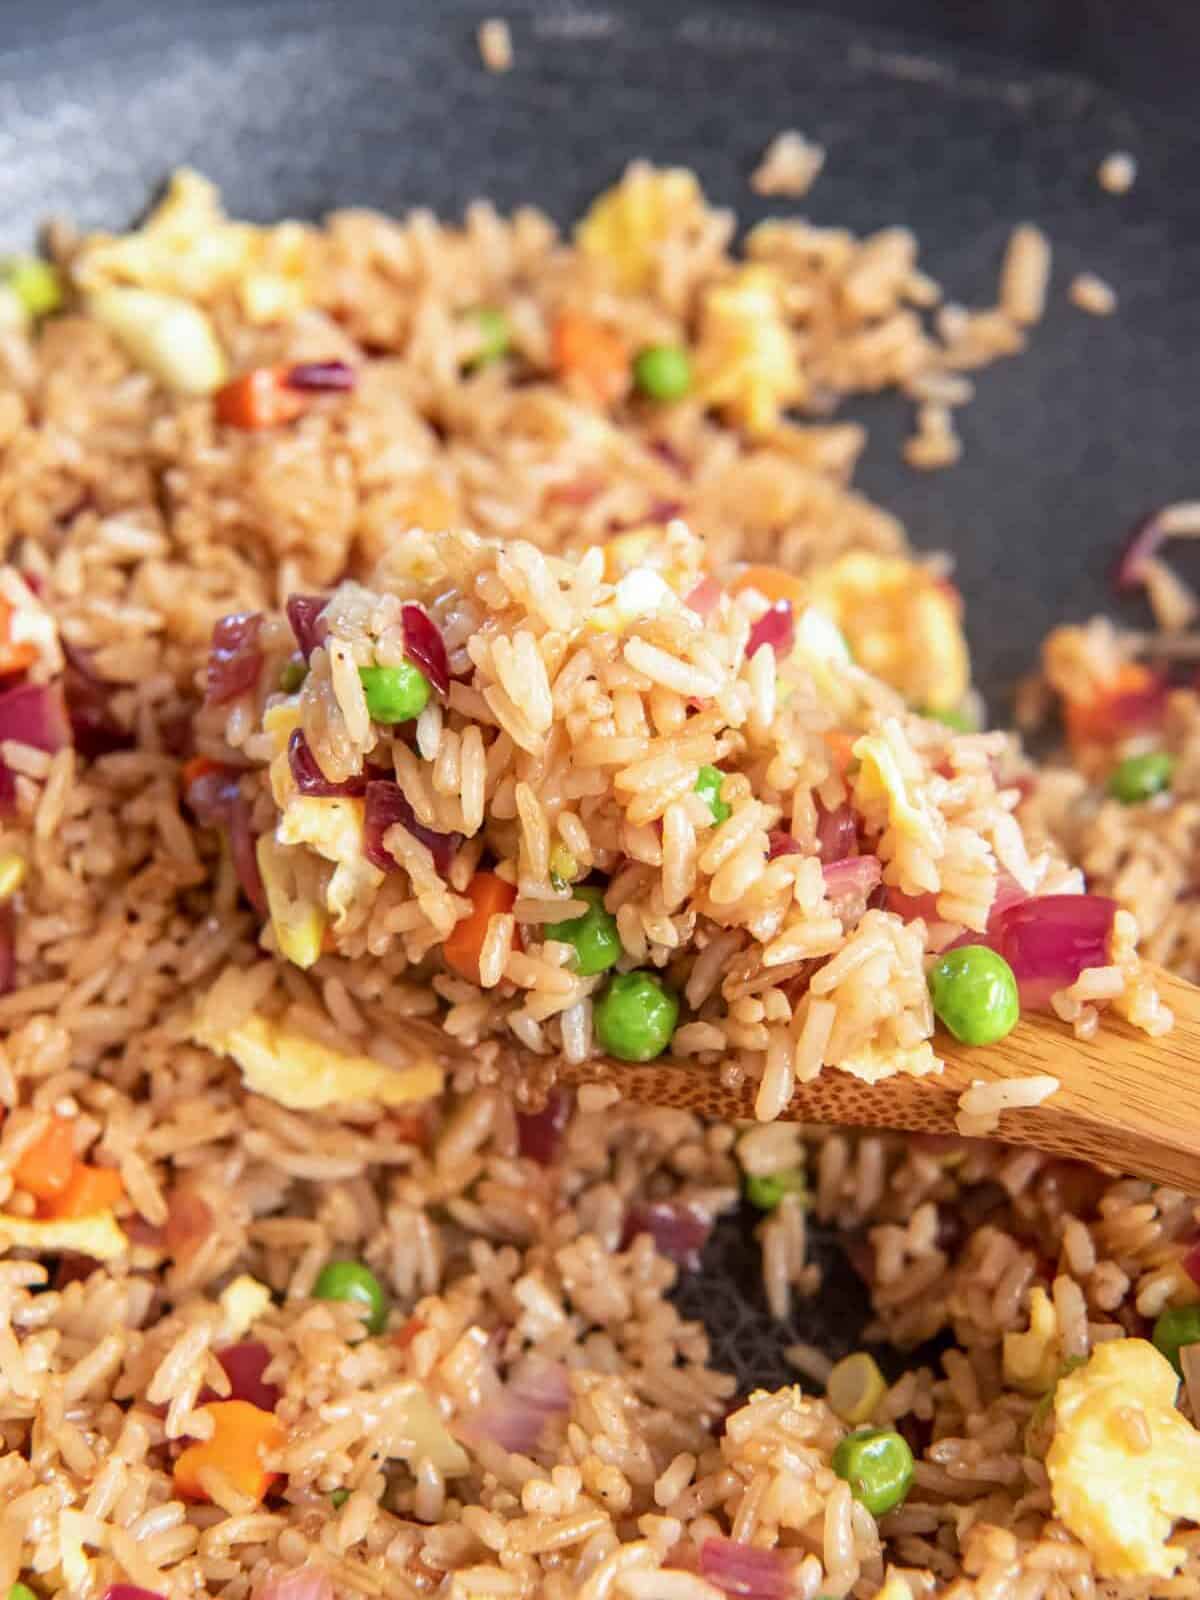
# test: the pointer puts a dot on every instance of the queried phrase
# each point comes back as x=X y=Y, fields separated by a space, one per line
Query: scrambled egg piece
x=895 y=1587
x=821 y=648
x=627 y=224
x=902 y=624
x=1032 y=1358
x=746 y=358
x=298 y=922
x=1119 y=1500
x=334 y=829
x=640 y=593
x=166 y=335
x=882 y=778
x=242 y=1303
x=187 y=246
x=99 y=1236
x=431 y=1439
x=875 y=1062
x=298 y=1072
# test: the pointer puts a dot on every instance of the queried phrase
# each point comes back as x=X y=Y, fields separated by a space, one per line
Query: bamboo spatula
x=1124 y=1100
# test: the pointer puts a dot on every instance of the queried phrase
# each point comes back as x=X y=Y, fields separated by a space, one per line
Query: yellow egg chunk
x=99 y=1236
x=1032 y=1358
x=334 y=829
x=628 y=223
x=889 y=781
x=875 y=1062
x=302 y=1074
x=746 y=359
x=242 y=1303
x=902 y=623
x=1125 y=1464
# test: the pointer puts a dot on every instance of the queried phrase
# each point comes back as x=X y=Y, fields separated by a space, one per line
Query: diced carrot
x=773 y=583
x=242 y=1436
x=46 y=1166
x=593 y=354
x=490 y=896
x=87 y=1190
x=258 y=399
x=841 y=748
x=15 y=654
x=1130 y=702
x=404 y=1336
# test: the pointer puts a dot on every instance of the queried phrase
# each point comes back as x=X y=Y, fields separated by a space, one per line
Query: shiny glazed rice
x=532 y=1416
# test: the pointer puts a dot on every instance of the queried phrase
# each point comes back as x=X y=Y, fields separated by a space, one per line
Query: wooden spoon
x=1124 y=1100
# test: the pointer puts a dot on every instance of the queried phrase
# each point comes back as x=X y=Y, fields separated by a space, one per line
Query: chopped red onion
x=747 y=1571
x=837 y=833
x=514 y=1414
x=775 y=627
x=8 y=948
x=679 y=1228
x=301 y=1583
x=35 y=714
x=667 y=453
x=853 y=876
x=1191 y=1262
x=705 y=597
x=310 y=780
x=1048 y=940
x=210 y=795
x=539 y=1133
x=8 y=791
x=781 y=843
x=306 y=613
x=234 y=659
x=244 y=1366
x=908 y=907
x=95 y=731
x=386 y=806
x=245 y=857
x=320 y=376
x=1131 y=711
x=425 y=647
x=130 y=1591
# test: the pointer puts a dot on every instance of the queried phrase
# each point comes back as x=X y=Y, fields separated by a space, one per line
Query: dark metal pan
x=957 y=118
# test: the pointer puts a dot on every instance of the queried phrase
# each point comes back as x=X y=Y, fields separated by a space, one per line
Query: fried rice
x=206 y=1143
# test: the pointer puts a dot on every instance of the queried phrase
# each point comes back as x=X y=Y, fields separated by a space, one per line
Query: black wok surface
x=958 y=119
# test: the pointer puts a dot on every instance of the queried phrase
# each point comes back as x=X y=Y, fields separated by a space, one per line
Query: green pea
x=492 y=327
x=293 y=673
x=1139 y=778
x=338 y=1498
x=21 y=1591
x=350 y=1280
x=1176 y=1327
x=663 y=371
x=766 y=1193
x=878 y=1466
x=975 y=994
x=956 y=717
x=593 y=934
x=35 y=283
x=395 y=694
x=636 y=1016
x=708 y=786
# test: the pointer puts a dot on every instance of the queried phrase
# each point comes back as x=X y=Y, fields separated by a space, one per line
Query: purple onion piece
x=245 y=857
x=680 y=1230
x=94 y=729
x=539 y=1133
x=853 y=875
x=386 y=806
x=745 y=1571
x=130 y=1591
x=1050 y=939
x=8 y=791
x=210 y=797
x=316 y=377
x=514 y=1414
x=305 y=613
x=244 y=1366
x=310 y=780
x=425 y=647
x=35 y=714
x=8 y=948
x=837 y=833
x=235 y=659
x=781 y=843
x=775 y=627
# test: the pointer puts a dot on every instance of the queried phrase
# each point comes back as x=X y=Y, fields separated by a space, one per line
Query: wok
x=956 y=118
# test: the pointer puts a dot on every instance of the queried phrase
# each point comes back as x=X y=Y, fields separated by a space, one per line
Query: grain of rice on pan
x=281 y=1319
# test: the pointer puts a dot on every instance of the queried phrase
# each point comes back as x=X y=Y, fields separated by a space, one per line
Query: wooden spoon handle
x=1125 y=1100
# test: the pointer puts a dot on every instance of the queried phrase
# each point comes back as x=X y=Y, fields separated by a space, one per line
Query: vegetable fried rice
x=423 y=645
